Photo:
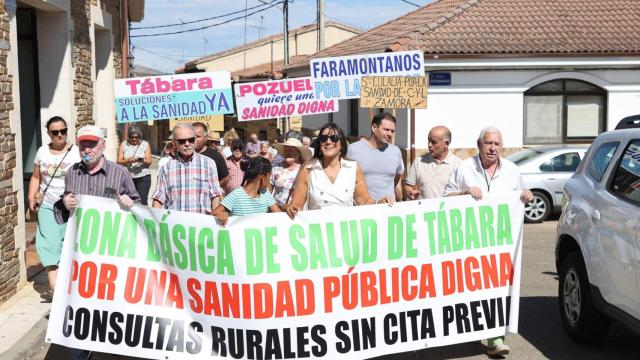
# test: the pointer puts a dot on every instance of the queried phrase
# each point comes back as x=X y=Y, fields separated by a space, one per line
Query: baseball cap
x=89 y=132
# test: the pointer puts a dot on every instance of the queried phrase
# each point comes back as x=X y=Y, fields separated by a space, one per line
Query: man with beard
x=380 y=160
x=189 y=181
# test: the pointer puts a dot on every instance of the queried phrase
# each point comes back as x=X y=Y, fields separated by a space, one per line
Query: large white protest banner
x=339 y=77
x=279 y=98
x=342 y=282
x=173 y=96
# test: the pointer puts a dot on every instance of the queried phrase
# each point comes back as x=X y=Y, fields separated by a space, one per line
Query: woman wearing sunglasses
x=329 y=179
x=45 y=188
x=135 y=154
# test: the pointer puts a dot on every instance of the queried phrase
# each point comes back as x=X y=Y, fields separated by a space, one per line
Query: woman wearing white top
x=45 y=188
x=330 y=179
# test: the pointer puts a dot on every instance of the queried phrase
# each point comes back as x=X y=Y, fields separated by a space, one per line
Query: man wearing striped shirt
x=188 y=182
x=94 y=175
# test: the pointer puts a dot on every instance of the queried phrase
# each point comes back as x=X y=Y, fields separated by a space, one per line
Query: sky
x=166 y=53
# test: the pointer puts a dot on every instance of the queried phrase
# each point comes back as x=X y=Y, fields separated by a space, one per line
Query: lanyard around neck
x=487 y=179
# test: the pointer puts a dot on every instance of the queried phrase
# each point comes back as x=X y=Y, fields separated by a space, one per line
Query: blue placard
x=439 y=79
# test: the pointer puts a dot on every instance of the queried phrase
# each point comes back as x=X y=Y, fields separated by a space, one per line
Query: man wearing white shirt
x=487 y=173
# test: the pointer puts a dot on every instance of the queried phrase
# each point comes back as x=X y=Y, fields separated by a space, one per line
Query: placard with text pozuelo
x=393 y=92
x=280 y=98
x=354 y=282
x=173 y=96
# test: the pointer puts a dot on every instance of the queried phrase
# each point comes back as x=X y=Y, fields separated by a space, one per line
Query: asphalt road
x=541 y=334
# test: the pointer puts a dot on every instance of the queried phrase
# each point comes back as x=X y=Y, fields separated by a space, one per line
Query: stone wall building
x=57 y=57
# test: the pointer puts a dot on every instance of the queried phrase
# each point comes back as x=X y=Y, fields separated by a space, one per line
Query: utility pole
x=320 y=24
x=244 y=50
x=205 y=45
x=285 y=20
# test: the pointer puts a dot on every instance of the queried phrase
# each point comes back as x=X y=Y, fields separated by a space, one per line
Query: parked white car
x=598 y=239
x=544 y=171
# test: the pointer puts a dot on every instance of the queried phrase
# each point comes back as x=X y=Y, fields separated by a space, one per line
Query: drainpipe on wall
x=124 y=49
x=412 y=135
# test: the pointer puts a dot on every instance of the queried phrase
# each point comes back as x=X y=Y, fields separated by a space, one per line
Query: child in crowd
x=252 y=197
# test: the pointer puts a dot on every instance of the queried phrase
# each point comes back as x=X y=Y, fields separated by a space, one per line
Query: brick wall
x=82 y=84
x=83 y=101
x=9 y=261
x=82 y=49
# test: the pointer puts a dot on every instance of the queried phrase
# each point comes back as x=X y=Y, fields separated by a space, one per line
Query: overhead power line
x=410 y=3
x=200 y=20
x=209 y=26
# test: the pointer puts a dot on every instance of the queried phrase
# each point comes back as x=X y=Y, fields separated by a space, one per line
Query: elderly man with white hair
x=488 y=173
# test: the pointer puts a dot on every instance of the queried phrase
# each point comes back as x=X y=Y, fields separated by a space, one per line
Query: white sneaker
x=499 y=349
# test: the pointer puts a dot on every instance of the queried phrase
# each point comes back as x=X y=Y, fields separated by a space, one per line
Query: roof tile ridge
x=450 y=15
x=405 y=41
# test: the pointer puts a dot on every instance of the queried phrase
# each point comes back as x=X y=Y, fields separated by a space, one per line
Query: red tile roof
x=504 y=27
x=264 y=71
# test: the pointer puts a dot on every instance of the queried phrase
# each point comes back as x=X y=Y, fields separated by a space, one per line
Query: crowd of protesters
x=200 y=173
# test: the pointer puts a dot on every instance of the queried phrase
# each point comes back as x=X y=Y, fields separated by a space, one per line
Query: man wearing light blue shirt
x=380 y=160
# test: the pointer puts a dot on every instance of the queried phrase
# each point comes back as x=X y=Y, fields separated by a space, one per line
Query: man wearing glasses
x=188 y=182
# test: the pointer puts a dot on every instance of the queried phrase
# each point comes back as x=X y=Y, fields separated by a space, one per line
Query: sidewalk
x=23 y=311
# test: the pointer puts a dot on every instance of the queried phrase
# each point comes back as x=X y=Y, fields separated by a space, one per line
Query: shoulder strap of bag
x=56 y=169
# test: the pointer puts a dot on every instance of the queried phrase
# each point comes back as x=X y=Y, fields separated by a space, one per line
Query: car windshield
x=523 y=156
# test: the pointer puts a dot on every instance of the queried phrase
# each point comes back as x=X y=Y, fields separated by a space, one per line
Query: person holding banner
x=380 y=160
x=94 y=175
x=329 y=179
x=135 y=155
x=252 y=197
x=429 y=174
x=188 y=182
x=45 y=188
x=487 y=173
x=283 y=177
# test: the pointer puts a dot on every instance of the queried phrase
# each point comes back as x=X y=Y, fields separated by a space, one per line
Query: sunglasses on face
x=62 y=132
x=191 y=140
x=324 y=138
x=134 y=137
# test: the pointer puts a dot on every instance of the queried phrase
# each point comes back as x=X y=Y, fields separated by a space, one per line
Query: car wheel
x=580 y=318
x=538 y=209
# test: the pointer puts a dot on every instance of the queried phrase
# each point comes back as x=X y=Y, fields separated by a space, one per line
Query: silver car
x=598 y=239
x=545 y=170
